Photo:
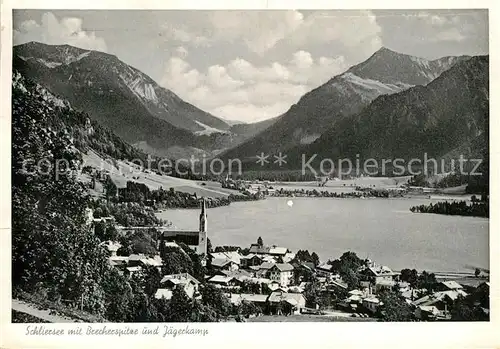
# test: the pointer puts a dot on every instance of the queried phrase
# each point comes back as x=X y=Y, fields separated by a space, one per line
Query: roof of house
x=221 y=279
x=374 y=300
x=136 y=257
x=283 y=267
x=132 y=269
x=253 y=297
x=452 y=285
x=381 y=270
x=389 y=283
x=232 y=256
x=325 y=267
x=276 y=286
x=295 y=289
x=163 y=293
x=118 y=260
x=182 y=277
x=266 y=265
x=237 y=298
x=254 y=248
x=278 y=250
x=354 y=298
x=279 y=296
x=339 y=284
x=356 y=292
x=430 y=309
x=156 y=261
x=439 y=296
x=111 y=246
x=221 y=262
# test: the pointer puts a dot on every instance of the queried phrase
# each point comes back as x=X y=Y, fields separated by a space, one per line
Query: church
x=196 y=240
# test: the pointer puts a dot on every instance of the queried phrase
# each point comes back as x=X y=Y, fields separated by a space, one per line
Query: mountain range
x=391 y=104
x=386 y=72
x=447 y=114
x=129 y=102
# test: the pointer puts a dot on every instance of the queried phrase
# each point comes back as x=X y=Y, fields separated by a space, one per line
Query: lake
x=383 y=230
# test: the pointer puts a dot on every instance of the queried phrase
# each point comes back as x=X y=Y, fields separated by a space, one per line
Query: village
x=270 y=282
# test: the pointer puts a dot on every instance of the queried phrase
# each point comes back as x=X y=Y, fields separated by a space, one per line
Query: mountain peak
x=384 y=49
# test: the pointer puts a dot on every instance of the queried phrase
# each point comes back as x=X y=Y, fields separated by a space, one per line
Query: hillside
x=385 y=72
x=121 y=98
x=438 y=119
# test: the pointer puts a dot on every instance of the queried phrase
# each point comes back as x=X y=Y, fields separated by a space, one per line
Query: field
x=122 y=171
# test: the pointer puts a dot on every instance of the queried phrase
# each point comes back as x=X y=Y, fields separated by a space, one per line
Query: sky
x=253 y=65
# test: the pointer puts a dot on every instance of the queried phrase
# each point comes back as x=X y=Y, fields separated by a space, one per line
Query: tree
x=260 y=242
x=465 y=309
x=477 y=272
x=427 y=280
x=110 y=188
x=312 y=295
x=351 y=260
x=350 y=277
x=181 y=307
x=119 y=297
x=394 y=307
x=315 y=258
x=248 y=308
x=209 y=246
x=175 y=260
x=213 y=297
x=198 y=271
x=409 y=276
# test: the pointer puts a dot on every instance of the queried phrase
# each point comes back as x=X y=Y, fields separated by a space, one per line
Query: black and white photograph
x=249 y=166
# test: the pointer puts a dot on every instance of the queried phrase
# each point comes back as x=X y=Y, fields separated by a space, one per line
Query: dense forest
x=460 y=208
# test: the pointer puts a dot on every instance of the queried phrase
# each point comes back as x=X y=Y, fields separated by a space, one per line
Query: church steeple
x=203 y=216
x=203 y=238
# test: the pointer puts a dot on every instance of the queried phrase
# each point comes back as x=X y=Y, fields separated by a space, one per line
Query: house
x=251 y=259
x=224 y=264
x=184 y=280
x=282 y=273
x=275 y=286
x=286 y=303
x=427 y=312
x=129 y=271
x=118 y=261
x=278 y=251
x=239 y=273
x=233 y=256
x=440 y=300
x=384 y=284
x=224 y=281
x=274 y=250
x=448 y=286
x=371 y=304
x=111 y=246
x=263 y=269
x=259 y=249
x=142 y=260
x=288 y=257
x=377 y=274
x=413 y=294
x=337 y=284
x=259 y=300
x=324 y=269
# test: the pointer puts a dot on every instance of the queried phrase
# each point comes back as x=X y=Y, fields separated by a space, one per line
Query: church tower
x=203 y=242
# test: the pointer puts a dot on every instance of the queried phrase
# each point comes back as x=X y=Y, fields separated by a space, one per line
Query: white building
x=282 y=273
